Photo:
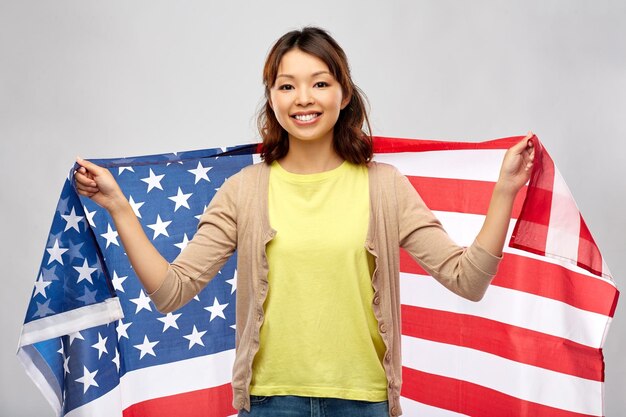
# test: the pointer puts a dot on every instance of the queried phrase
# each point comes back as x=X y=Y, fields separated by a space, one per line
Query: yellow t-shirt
x=320 y=337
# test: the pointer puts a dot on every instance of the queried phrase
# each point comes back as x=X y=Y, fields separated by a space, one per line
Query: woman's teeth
x=305 y=117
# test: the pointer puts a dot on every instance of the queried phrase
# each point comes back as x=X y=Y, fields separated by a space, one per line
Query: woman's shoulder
x=383 y=170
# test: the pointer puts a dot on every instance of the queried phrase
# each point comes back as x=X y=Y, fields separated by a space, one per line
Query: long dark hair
x=350 y=140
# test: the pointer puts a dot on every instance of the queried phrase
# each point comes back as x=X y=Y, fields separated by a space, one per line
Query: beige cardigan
x=237 y=218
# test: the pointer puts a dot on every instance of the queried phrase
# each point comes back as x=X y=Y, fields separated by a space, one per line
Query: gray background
x=114 y=78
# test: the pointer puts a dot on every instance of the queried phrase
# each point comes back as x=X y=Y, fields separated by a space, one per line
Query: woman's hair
x=350 y=140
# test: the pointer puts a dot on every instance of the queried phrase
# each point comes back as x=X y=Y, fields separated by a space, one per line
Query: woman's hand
x=98 y=184
x=517 y=165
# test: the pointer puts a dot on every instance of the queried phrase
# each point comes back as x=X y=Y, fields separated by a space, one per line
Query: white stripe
x=564 y=229
x=475 y=164
x=71 y=321
x=412 y=408
x=256 y=158
x=177 y=377
x=40 y=381
x=160 y=381
x=522 y=381
x=463 y=229
x=508 y=306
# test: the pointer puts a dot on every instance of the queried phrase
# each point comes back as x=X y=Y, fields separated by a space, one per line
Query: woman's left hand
x=517 y=165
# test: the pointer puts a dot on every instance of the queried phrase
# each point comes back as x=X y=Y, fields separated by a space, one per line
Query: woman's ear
x=346 y=101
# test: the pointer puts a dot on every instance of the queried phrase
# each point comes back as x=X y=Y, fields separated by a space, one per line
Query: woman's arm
x=98 y=184
x=514 y=173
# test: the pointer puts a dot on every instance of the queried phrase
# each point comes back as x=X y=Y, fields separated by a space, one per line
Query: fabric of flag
x=95 y=345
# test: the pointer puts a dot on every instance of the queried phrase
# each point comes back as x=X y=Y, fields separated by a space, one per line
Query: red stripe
x=390 y=145
x=510 y=342
x=546 y=280
x=210 y=402
x=471 y=399
x=461 y=196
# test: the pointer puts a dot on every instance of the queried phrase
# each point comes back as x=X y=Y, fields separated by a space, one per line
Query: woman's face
x=306 y=98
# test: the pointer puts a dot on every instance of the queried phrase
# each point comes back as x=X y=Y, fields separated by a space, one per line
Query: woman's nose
x=304 y=97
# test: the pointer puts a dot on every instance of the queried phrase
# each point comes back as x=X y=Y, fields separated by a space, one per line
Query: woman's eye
x=285 y=87
x=321 y=84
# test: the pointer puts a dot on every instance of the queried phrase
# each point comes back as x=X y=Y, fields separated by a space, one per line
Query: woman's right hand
x=97 y=183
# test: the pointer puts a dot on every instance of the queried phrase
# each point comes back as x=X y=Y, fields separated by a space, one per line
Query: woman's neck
x=310 y=157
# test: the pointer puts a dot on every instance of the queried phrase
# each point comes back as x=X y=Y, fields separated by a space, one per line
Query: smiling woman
x=317 y=227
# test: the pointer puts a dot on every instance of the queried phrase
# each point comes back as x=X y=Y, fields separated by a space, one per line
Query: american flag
x=94 y=344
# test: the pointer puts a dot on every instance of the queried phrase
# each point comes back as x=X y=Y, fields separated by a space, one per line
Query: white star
x=196 y=298
x=169 y=321
x=72 y=220
x=90 y=215
x=75 y=335
x=153 y=181
x=195 y=337
x=143 y=301
x=180 y=199
x=233 y=282
x=84 y=272
x=122 y=169
x=147 y=347
x=121 y=329
x=116 y=360
x=88 y=379
x=135 y=206
x=200 y=215
x=66 y=365
x=182 y=245
x=216 y=309
x=40 y=286
x=110 y=236
x=101 y=345
x=55 y=253
x=160 y=227
x=62 y=350
x=117 y=282
x=200 y=173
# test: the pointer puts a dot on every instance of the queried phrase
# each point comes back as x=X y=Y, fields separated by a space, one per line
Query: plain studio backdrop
x=122 y=78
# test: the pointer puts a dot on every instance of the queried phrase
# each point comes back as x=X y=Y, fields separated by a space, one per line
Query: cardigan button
x=377 y=300
x=394 y=411
x=383 y=328
x=388 y=357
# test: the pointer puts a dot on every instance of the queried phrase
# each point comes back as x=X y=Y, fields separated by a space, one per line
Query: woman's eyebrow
x=315 y=74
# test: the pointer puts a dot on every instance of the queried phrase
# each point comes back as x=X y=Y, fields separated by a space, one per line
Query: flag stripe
x=515 y=343
x=462 y=196
x=525 y=382
x=470 y=399
x=412 y=408
x=561 y=284
x=211 y=402
x=504 y=305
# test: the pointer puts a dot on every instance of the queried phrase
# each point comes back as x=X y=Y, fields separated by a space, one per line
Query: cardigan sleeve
x=466 y=271
x=213 y=243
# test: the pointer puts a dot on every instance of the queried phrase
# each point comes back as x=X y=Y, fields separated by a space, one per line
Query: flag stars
x=135 y=206
x=110 y=236
x=66 y=364
x=89 y=215
x=233 y=282
x=182 y=245
x=56 y=252
x=43 y=309
x=200 y=172
x=116 y=360
x=88 y=379
x=169 y=321
x=160 y=227
x=40 y=286
x=84 y=272
x=146 y=348
x=72 y=220
x=122 y=329
x=180 y=199
x=118 y=281
x=195 y=337
x=74 y=336
x=153 y=181
x=142 y=302
x=216 y=310
x=101 y=345
x=122 y=169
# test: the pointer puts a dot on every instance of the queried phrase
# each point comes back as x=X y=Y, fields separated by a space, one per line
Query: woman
x=317 y=227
